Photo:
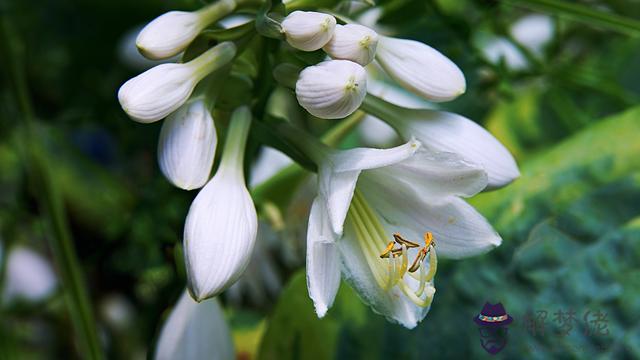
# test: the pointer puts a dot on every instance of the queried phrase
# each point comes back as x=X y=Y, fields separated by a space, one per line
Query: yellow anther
x=400 y=240
x=428 y=239
x=387 y=250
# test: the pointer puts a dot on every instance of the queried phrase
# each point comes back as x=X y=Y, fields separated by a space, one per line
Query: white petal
x=435 y=175
x=157 y=92
x=161 y=90
x=353 y=42
x=219 y=235
x=169 y=34
x=323 y=260
x=308 y=30
x=332 y=89
x=195 y=331
x=29 y=276
x=459 y=230
x=421 y=69
x=392 y=304
x=339 y=176
x=449 y=132
x=497 y=49
x=187 y=146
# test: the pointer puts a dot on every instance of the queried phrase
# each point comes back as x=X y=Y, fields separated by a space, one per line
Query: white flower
x=449 y=132
x=497 y=49
x=161 y=90
x=353 y=42
x=171 y=33
x=187 y=145
x=308 y=30
x=29 y=276
x=332 y=89
x=420 y=68
x=533 y=32
x=195 y=331
x=374 y=194
x=220 y=230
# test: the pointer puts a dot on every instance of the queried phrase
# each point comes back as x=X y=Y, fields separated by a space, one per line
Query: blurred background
x=558 y=82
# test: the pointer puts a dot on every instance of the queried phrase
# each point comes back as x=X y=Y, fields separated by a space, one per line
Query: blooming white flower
x=367 y=195
x=195 y=331
x=332 y=89
x=187 y=145
x=29 y=276
x=220 y=230
x=420 y=69
x=171 y=33
x=353 y=42
x=448 y=132
x=161 y=90
x=308 y=30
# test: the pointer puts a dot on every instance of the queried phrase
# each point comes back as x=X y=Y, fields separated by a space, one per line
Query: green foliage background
x=570 y=224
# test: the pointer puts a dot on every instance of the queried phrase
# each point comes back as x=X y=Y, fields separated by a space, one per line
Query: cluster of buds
x=363 y=194
x=336 y=88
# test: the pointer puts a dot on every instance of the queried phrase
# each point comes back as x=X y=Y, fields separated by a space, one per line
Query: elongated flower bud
x=332 y=89
x=420 y=69
x=161 y=90
x=308 y=30
x=353 y=42
x=195 y=331
x=187 y=145
x=221 y=227
x=171 y=33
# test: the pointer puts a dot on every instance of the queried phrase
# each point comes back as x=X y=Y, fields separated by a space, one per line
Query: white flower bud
x=187 y=145
x=221 y=227
x=353 y=42
x=171 y=33
x=308 y=30
x=420 y=69
x=332 y=89
x=161 y=90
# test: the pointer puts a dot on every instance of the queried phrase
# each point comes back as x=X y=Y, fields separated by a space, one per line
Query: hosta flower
x=308 y=30
x=187 y=145
x=332 y=89
x=195 y=331
x=448 y=132
x=161 y=90
x=220 y=230
x=171 y=33
x=420 y=69
x=379 y=211
x=353 y=42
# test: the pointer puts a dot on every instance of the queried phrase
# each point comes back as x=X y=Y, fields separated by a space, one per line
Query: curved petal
x=339 y=175
x=449 y=132
x=435 y=175
x=459 y=230
x=391 y=304
x=195 y=331
x=323 y=269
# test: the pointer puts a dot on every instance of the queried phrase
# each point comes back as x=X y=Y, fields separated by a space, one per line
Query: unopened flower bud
x=308 y=30
x=353 y=42
x=332 y=89
x=171 y=33
x=187 y=145
x=420 y=69
x=161 y=90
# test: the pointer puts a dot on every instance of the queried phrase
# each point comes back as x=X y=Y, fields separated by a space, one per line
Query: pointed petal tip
x=321 y=309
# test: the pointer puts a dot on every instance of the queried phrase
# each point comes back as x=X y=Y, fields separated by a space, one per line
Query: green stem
x=233 y=154
x=382 y=109
x=51 y=203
